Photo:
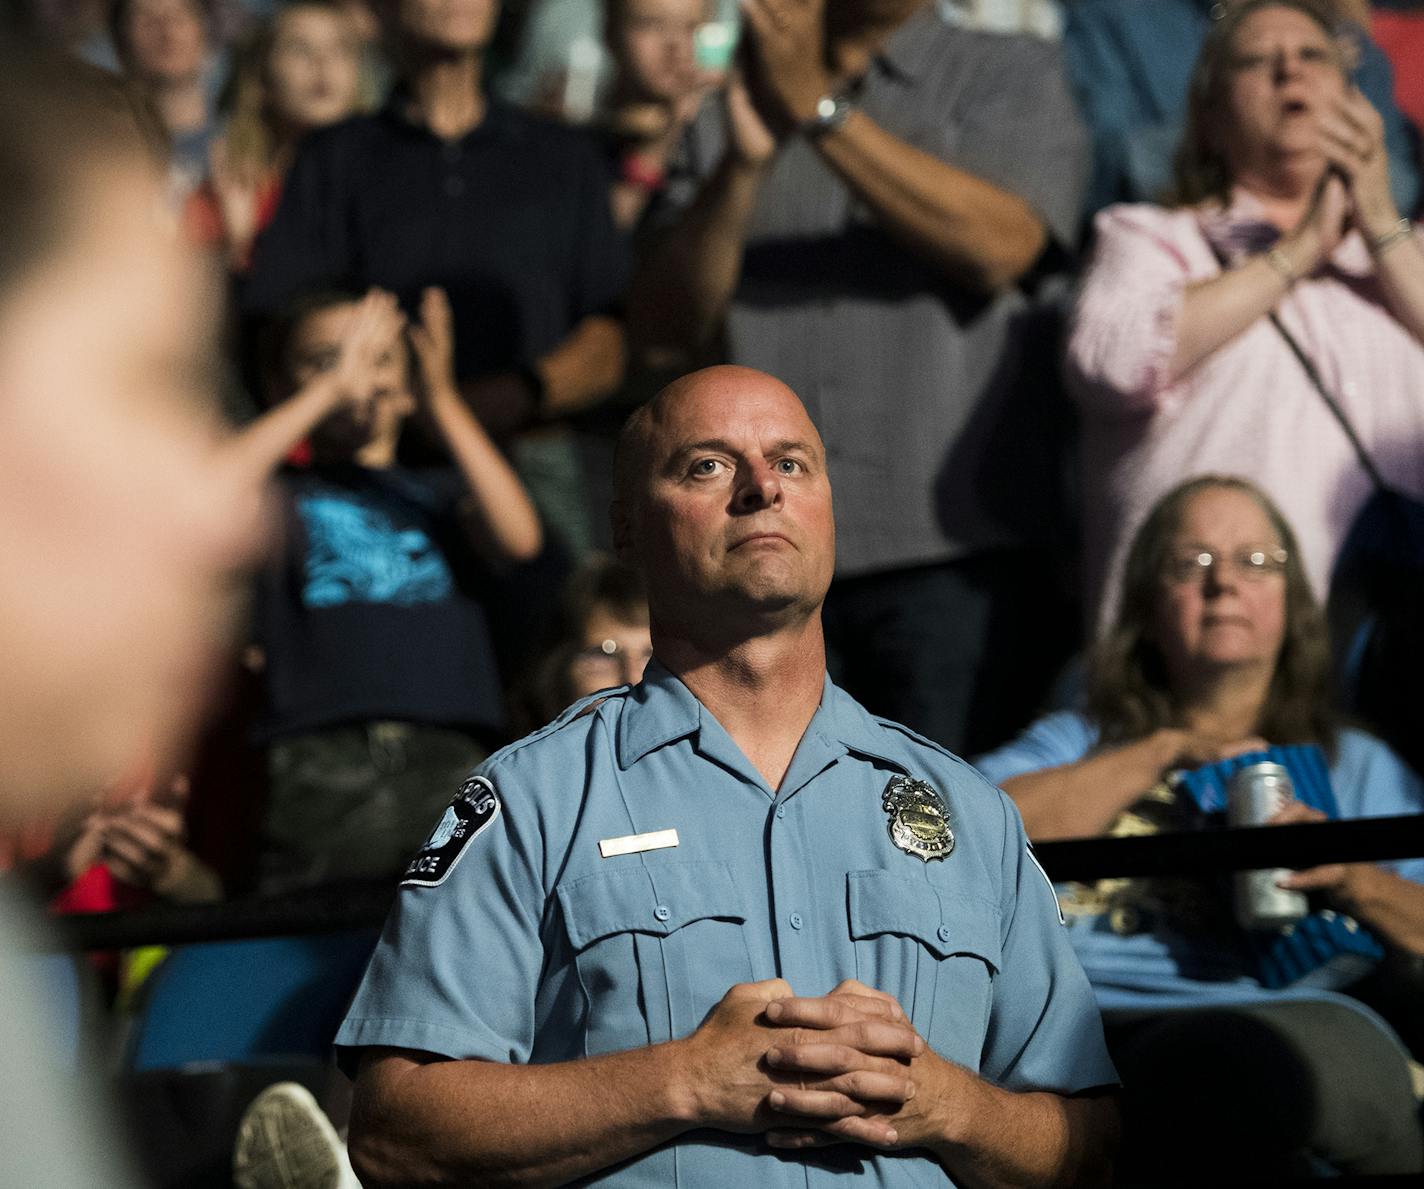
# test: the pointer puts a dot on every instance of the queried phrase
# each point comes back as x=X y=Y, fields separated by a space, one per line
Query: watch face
x=826 y=107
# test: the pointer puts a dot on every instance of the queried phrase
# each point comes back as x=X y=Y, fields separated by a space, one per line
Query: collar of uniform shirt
x=679 y=714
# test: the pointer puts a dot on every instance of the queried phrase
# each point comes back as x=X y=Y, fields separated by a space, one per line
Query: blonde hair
x=249 y=129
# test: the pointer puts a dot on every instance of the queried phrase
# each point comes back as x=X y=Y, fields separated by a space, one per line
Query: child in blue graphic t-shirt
x=380 y=679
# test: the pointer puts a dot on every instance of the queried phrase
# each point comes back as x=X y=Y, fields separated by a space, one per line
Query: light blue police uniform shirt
x=533 y=948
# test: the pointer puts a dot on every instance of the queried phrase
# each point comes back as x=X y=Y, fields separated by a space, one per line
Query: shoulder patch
x=475 y=806
x=1052 y=891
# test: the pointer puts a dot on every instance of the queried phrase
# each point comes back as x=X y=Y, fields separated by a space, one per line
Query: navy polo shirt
x=512 y=219
x=522 y=936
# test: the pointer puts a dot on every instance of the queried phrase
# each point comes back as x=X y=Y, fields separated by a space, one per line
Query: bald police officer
x=725 y=927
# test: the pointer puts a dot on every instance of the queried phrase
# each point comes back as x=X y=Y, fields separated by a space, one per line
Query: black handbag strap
x=1331 y=403
x=1313 y=374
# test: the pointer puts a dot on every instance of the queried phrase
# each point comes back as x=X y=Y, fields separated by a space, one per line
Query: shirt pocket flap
x=653 y=899
x=944 y=922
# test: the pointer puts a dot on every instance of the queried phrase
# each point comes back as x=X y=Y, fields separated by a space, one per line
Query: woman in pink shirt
x=1283 y=205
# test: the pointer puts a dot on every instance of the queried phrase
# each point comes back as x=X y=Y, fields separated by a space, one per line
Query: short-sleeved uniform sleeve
x=1045 y=1031
x=1055 y=739
x=457 y=967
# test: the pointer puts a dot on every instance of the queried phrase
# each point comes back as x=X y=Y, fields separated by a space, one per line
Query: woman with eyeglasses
x=1282 y=206
x=1218 y=649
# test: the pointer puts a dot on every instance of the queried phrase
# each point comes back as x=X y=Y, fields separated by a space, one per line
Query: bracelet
x=1401 y=230
x=1283 y=265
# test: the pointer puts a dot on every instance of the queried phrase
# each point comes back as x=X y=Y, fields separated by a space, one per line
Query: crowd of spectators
x=1035 y=269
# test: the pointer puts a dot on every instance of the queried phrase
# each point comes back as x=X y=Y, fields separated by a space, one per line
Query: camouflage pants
x=356 y=801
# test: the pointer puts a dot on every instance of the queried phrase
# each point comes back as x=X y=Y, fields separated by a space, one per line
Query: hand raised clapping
x=1354 y=190
x=1351 y=137
x=371 y=337
x=433 y=342
x=788 y=51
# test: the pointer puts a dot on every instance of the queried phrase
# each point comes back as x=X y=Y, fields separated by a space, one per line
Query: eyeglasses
x=1251 y=564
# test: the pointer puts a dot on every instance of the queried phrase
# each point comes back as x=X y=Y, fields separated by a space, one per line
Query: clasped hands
x=843 y=1067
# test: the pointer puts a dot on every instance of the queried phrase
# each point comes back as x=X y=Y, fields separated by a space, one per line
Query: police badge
x=919 y=819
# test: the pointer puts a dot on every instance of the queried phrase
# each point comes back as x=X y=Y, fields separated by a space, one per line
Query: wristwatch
x=831 y=112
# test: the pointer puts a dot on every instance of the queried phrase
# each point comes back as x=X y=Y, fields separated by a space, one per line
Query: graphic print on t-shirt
x=357 y=554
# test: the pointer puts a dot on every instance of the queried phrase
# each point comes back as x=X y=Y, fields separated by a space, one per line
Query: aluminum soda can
x=1257 y=792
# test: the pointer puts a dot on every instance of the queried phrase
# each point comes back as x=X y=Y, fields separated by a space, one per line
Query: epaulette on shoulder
x=580 y=709
x=924 y=741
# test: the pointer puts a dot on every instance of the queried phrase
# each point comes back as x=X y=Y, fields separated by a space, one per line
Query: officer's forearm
x=437 y=1122
x=988 y=1136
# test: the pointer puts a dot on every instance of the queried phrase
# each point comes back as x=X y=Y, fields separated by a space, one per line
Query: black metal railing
x=365 y=904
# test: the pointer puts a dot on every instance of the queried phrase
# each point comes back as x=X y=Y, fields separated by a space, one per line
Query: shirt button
x=943 y=933
x=454 y=187
x=781 y=811
x=662 y=912
x=796 y=921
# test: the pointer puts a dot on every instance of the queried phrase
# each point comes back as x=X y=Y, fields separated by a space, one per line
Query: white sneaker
x=285 y=1141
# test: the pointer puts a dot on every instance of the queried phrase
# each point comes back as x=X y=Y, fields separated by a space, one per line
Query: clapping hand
x=1351 y=137
x=1353 y=191
x=788 y=46
x=752 y=139
x=433 y=342
x=372 y=334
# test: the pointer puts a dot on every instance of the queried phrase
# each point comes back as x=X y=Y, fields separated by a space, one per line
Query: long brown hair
x=1202 y=172
x=1128 y=692
x=249 y=128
